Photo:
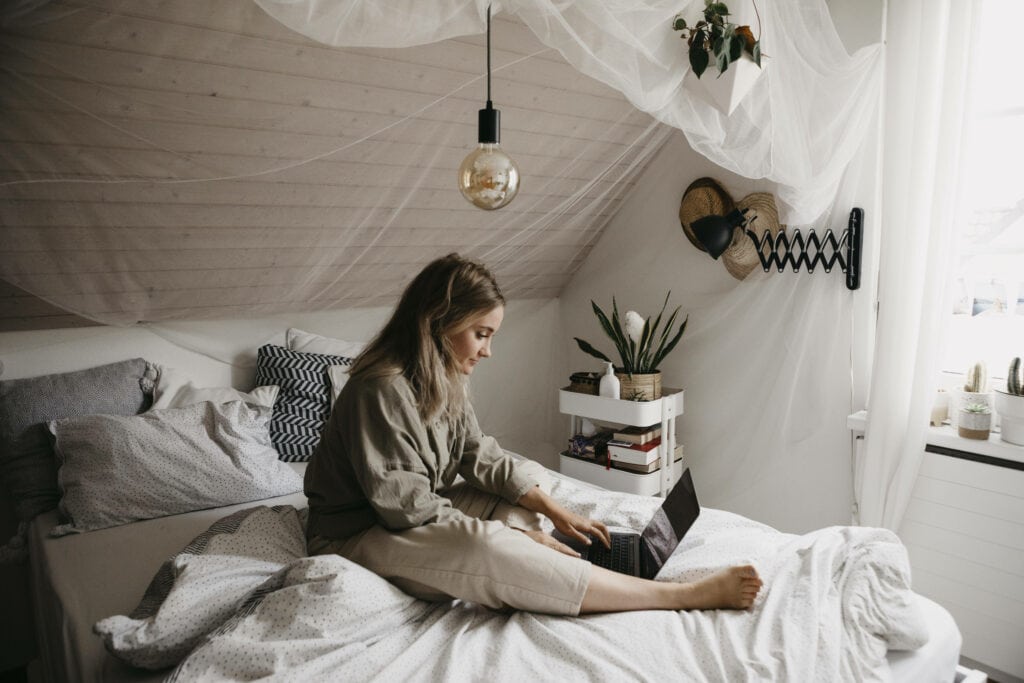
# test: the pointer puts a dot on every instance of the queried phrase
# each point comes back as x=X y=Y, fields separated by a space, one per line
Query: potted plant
x=975 y=421
x=1010 y=405
x=975 y=390
x=641 y=345
x=716 y=40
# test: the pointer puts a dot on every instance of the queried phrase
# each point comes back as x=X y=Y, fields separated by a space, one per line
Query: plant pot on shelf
x=961 y=399
x=1011 y=415
x=974 y=424
x=725 y=91
x=638 y=386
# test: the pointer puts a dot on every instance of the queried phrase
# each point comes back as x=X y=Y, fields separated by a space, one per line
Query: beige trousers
x=482 y=559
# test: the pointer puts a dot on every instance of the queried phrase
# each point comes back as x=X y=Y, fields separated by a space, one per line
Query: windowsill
x=946 y=437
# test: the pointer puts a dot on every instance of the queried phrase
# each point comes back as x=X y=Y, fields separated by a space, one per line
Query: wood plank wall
x=964 y=531
x=207 y=126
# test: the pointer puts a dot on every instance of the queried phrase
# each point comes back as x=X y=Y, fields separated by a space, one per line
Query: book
x=636 y=454
x=638 y=435
x=649 y=467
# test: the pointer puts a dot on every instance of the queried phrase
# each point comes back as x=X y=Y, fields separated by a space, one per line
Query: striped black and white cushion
x=304 y=401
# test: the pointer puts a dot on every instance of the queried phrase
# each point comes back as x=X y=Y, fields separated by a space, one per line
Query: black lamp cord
x=488 y=56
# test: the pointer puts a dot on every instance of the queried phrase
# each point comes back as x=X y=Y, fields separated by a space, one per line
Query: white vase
x=725 y=91
x=1011 y=415
x=609 y=386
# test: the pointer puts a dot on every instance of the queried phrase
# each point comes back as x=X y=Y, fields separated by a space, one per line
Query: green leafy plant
x=977 y=408
x=716 y=38
x=1014 y=379
x=640 y=344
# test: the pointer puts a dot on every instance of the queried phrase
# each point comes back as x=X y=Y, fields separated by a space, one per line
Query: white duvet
x=833 y=603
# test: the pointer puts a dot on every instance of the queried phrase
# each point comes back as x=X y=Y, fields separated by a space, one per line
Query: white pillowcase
x=307 y=342
x=174 y=389
x=114 y=469
x=198 y=589
x=338 y=375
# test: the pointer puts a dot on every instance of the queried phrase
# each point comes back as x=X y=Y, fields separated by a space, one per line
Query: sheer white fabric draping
x=799 y=127
x=926 y=93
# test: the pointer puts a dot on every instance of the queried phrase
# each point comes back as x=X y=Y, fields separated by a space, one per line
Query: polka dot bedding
x=834 y=602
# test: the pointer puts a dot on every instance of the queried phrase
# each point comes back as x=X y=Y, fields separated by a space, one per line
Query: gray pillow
x=196 y=590
x=26 y=405
x=114 y=469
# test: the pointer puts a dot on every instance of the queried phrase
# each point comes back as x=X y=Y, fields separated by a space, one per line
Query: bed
x=347 y=624
x=170 y=583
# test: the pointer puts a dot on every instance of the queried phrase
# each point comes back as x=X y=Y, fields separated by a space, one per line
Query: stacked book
x=638 y=449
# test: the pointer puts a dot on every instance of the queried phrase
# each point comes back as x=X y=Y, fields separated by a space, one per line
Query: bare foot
x=732 y=588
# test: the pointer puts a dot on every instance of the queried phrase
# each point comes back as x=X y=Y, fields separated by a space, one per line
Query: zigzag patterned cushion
x=304 y=401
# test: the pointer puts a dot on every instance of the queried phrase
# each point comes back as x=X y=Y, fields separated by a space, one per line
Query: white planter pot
x=961 y=399
x=974 y=425
x=1011 y=416
x=726 y=91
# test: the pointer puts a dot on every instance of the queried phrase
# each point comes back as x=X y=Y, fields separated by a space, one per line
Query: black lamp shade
x=715 y=232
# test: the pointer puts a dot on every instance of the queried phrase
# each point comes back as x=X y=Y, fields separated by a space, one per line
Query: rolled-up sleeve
x=386 y=445
x=487 y=467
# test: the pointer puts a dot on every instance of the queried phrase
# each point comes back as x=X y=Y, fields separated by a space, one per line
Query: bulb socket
x=489 y=125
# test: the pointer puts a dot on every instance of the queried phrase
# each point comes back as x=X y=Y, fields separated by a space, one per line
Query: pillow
x=297 y=340
x=307 y=342
x=175 y=390
x=26 y=456
x=117 y=469
x=338 y=375
x=304 y=400
x=196 y=590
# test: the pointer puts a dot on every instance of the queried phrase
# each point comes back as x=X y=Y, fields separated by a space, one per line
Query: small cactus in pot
x=1014 y=380
x=975 y=390
x=977 y=378
x=975 y=421
x=1010 y=405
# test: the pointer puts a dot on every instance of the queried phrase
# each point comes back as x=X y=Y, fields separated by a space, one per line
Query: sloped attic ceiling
x=166 y=160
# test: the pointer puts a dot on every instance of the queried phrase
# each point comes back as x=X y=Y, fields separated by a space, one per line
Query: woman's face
x=473 y=344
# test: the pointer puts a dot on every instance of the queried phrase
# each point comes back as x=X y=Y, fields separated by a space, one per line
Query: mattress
x=78 y=580
x=937 y=659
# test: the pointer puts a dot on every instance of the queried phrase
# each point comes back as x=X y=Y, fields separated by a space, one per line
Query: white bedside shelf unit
x=631 y=413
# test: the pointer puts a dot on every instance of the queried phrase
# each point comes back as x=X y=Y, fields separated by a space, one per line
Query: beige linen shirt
x=378 y=463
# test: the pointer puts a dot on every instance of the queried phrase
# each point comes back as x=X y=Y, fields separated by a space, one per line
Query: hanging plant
x=714 y=38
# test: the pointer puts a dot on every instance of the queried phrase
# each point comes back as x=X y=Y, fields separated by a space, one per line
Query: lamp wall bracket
x=812 y=251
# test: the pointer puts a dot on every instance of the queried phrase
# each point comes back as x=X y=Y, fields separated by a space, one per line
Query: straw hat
x=740 y=258
x=704 y=197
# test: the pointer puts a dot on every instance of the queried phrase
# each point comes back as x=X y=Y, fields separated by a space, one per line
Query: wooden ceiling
x=163 y=160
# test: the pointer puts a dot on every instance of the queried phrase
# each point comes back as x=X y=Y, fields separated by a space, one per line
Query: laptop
x=645 y=554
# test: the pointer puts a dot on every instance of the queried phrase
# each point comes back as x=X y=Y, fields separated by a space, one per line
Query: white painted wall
x=513 y=391
x=644 y=254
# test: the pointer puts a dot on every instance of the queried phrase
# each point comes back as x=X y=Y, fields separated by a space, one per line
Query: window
x=988 y=283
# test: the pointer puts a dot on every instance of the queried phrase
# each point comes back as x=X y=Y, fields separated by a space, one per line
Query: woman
x=382 y=483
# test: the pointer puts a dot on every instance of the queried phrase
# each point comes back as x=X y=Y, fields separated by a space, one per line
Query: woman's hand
x=572 y=525
x=579 y=527
x=551 y=542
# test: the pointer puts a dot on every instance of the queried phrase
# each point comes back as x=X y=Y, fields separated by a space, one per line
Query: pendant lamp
x=488 y=177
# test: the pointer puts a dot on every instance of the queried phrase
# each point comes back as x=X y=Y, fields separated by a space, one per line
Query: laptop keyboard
x=617 y=559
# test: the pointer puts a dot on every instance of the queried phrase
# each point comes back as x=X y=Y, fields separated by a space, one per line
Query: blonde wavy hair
x=447 y=296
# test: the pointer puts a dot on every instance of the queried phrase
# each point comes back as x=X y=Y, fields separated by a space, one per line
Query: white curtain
x=799 y=127
x=927 y=69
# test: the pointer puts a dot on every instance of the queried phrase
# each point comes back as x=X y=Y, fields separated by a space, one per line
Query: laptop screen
x=670 y=524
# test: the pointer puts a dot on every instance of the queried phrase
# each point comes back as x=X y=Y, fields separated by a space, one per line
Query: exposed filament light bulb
x=488 y=177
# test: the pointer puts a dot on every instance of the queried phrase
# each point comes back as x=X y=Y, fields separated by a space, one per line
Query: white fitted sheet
x=80 y=579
